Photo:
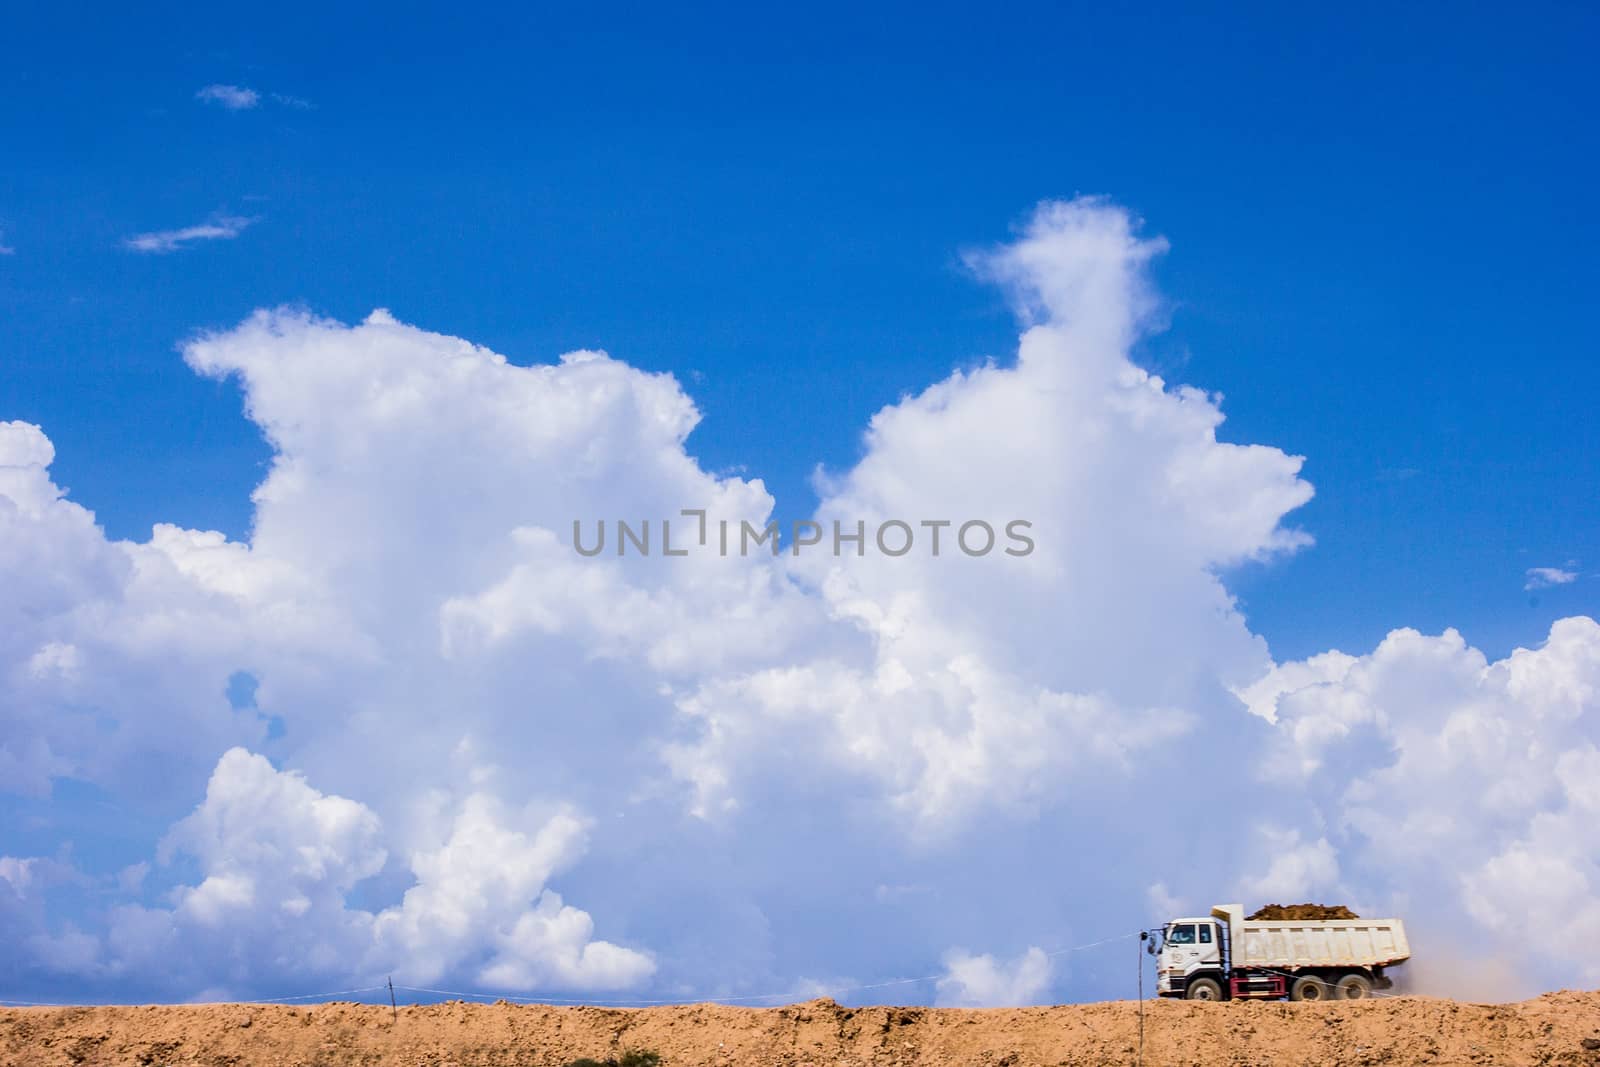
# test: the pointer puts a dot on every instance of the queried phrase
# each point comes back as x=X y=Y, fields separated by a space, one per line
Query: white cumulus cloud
x=1462 y=785
x=977 y=681
x=983 y=982
x=279 y=860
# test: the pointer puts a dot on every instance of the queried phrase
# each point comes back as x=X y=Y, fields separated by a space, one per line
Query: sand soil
x=1554 y=1029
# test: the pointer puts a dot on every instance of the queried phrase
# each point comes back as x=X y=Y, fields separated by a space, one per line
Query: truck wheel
x=1203 y=989
x=1354 y=987
x=1309 y=987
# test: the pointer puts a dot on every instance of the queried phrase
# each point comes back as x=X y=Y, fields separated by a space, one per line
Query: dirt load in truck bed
x=1301 y=912
x=1555 y=1030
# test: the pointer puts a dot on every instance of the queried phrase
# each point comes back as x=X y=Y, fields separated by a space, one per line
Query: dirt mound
x=1554 y=1030
x=1302 y=912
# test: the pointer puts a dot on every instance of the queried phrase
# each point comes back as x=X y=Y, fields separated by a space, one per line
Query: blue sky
x=1380 y=222
x=1380 y=225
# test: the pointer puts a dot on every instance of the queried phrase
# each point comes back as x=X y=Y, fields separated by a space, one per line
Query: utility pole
x=1144 y=935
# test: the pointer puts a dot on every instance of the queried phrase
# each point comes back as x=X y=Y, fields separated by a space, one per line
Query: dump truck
x=1228 y=957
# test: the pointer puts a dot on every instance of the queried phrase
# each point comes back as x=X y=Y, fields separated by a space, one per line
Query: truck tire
x=1203 y=989
x=1354 y=987
x=1309 y=987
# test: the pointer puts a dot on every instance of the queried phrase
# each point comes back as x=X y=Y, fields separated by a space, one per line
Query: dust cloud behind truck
x=1225 y=956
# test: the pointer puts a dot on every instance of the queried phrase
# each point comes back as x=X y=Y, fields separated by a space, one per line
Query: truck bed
x=1320 y=943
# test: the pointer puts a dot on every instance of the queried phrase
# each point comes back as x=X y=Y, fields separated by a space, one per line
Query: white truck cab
x=1188 y=948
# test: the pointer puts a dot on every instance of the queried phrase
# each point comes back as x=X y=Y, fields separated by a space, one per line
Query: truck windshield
x=1181 y=934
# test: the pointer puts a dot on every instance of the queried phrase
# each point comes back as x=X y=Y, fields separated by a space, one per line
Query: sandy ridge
x=1554 y=1030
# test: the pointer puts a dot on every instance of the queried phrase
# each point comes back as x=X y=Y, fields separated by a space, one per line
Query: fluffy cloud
x=114 y=656
x=1297 y=870
x=485 y=885
x=1459 y=787
x=982 y=982
x=268 y=840
x=726 y=759
x=278 y=861
x=976 y=681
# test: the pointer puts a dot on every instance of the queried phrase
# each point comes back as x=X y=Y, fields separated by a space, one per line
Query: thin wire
x=197 y=1003
x=741 y=998
x=308 y=996
x=517 y=998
